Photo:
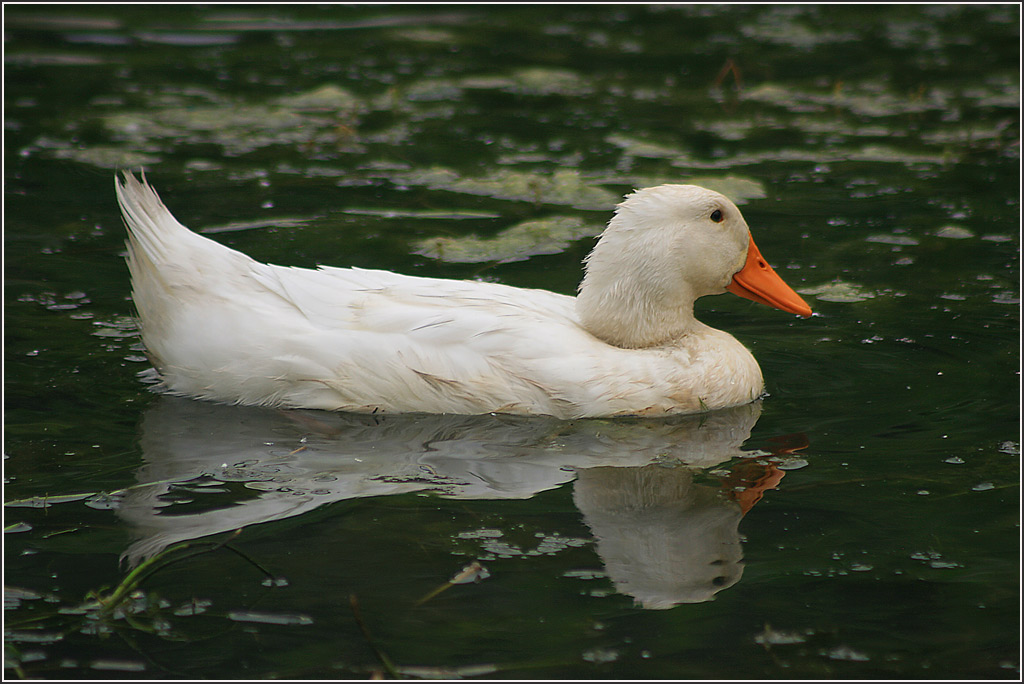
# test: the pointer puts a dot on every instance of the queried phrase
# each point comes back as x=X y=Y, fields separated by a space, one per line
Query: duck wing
x=221 y=325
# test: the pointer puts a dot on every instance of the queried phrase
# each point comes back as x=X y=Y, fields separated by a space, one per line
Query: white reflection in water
x=663 y=537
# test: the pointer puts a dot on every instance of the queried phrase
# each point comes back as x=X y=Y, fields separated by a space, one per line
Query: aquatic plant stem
x=381 y=656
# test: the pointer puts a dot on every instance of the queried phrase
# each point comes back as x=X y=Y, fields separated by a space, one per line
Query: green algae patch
x=520 y=242
x=737 y=188
x=426 y=214
x=564 y=187
x=328 y=97
x=321 y=115
x=529 y=81
x=838 y=291
x=637 y=147
x=106 y=156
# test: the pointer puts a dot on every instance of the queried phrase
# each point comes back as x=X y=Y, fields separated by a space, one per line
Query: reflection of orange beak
x=757 y=281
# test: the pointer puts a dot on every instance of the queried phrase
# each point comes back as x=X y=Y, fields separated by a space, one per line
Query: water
x=861 y=522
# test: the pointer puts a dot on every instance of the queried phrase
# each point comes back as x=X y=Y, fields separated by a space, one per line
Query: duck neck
x=625 y=312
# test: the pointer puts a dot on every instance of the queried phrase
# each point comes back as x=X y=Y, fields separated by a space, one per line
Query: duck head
x=665 y=247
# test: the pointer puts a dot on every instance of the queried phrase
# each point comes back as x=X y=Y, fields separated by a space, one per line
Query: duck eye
x=716 y=216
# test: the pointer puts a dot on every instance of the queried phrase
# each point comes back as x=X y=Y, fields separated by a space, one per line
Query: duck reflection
x=666 y=530
x=664 y=539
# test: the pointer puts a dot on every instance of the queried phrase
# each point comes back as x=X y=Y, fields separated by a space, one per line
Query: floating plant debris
x=838 y=291
x=521 y=241
x=564 y=187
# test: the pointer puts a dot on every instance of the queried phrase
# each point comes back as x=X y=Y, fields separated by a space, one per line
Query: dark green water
x=875 y=151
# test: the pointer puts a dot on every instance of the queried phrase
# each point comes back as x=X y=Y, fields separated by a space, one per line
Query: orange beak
x=757 y=281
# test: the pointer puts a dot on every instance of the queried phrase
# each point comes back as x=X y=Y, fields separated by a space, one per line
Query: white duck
x=219 y=325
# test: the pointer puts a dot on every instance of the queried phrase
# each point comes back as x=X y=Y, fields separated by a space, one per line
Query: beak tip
x=757 y=281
